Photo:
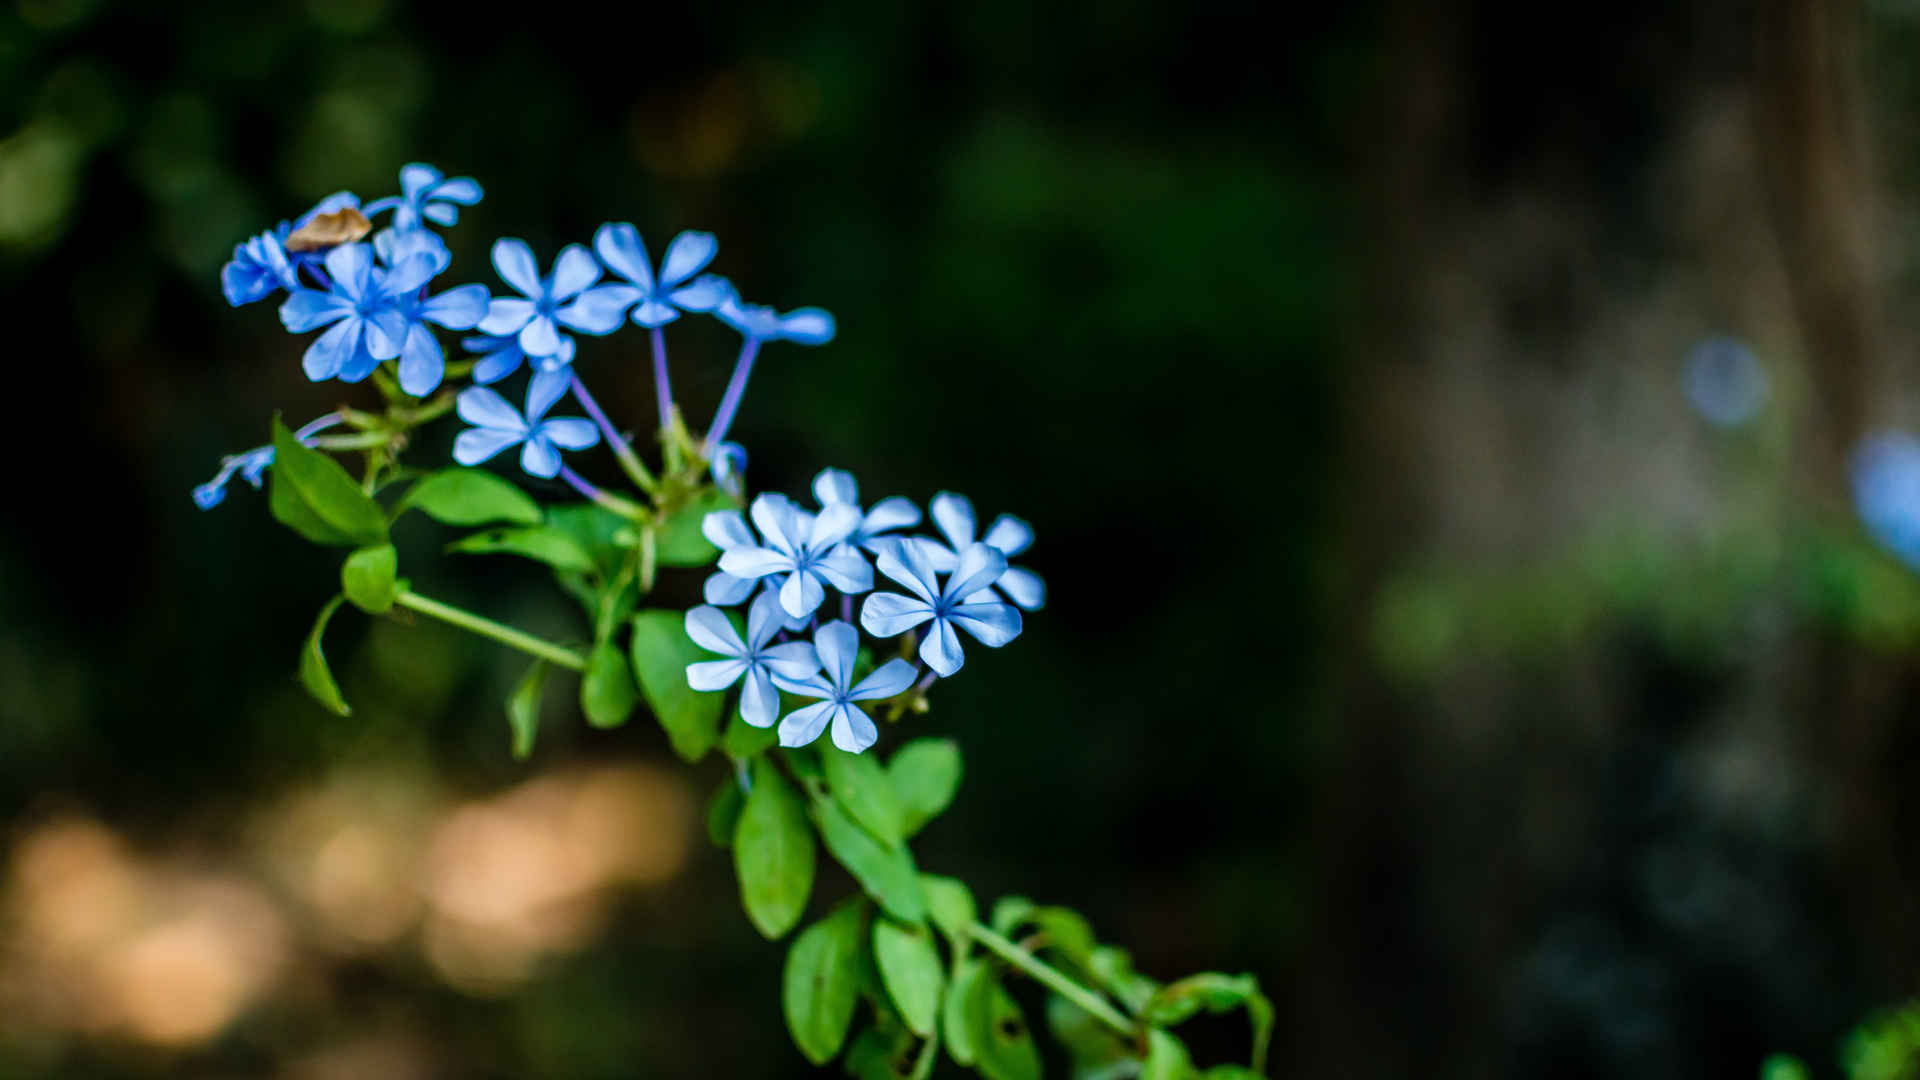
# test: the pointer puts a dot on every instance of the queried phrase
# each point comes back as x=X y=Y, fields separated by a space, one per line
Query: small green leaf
x=607 y=693
x=910 y=968
x=743 y=740
x=1086 y=1040
x=773 y=853
x=523 y=709
x=1009 y=912
x=723 y=812
x=661 y=652
x=859 y=784
x=1066 y=930
x=874 y=1056
x=926 y=775
x=312 y=495
x=820 y=985
x=540 y=543
x=313 y=664
x=967 y=976
x=469 y=497
x=887 y=874
x=1112 y=969
x=1167 y=1058
x=367 y=578
x=950 y=903
x=592 y=528
x=1003 y=1047
x=680 y=540
x=1216 y=993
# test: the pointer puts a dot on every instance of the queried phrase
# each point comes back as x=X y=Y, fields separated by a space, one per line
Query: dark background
x=1410 y=644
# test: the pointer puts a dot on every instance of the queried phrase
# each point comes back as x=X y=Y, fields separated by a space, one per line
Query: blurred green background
x=1411 y=644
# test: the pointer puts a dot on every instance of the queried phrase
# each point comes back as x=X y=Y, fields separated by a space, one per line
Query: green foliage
x=967 y=976
x=820 y=985
x=661 y=652
x=314 y=674
x=607 y=693
x=1885 y=1047
x=312 y=495
x=1784 y=1067
x=773 y=852
x=1167 y=1058
x=863 y=789
x=926 y=776
x=887 y=874
x=541 y=543
x=597 y=531
x=950 y=904
x=1090 y=1044
x=1216 y=993
x=368 y=578
x=468 y=497
x=723 y=812
x=523 y=709
x=679 y=541
x=910 y=968
x=1003 y=1046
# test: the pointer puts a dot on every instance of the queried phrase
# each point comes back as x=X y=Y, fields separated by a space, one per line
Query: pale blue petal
x=499 y=363
x=773 y=514
x=459 y=308
x=545 y=388
x=980 y=566
x=763 y=621
x=889 y=614
x=890 y=678
x=331 y=351
x=310 y=309
x=755 y=562
x=938 y=555
x=802 y=594
x=726 y=530
x=953 y=515
x=845 y=569
x=1023 y=587
x=807 y=326
x=620 y=247
x=853 y=729
x=599 y=311
x=422 y=364
x=654 y=314
x=361 y=364
x=573 y=272
x=835 y=523
x=793 y=660
x=838 y=645
x=539 y=458
x=475 y=445
x=464 y=190
x=992 y=625
x=704 y=293
x=906 y=563
x=558 y=360
x=506 y=315
x=441 y=213
x=482 y=407
x=896 y=512
x=395 y=247
x=413 y=271
x=941 y=649
x=710 y=629
x=351 y=268
x=1010 y=534
x=727 y=590
x=711 y=675
x=513 y=261
x=689 y=253
x=386 y=334
x=759 y=701
x=540 y=337
x=803 y=725
x=836 y=486
x=571 y=432
x=416 y=178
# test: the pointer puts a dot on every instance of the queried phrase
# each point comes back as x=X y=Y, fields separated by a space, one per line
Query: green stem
x=505 y=635
x=1091 y=1003
x=367 y=440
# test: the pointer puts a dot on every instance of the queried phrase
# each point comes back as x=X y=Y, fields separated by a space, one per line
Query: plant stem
x=505 y=635
x=366 y=440
x=1091 y=1003
x=625 y=508
x=730 y=401
x=628 y=459
x=662 y=387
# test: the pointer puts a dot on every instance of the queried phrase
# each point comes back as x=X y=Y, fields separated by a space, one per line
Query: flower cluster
x=791 y=558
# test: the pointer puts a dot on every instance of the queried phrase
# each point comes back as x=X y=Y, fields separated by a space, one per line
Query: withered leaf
x=343 y=226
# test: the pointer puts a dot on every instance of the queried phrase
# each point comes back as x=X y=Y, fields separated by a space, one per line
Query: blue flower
x=803 y=326
x=502 y=356
x=661 y=298
x=251 y=464
x=262 y=265
x=837 y=487
x=425 y=194
x=991 y=623
x=367 y=328
x=1885 y=471
x=727 y=530
x=729 y=467
x=953 y=516
x=422 y=363
x=837 y=644
x=497 y=426
x=809 y=550
x=753 y=659
x=1725 y=382
x=537 y=318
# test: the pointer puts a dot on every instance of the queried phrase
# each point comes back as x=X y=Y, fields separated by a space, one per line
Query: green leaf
x=367 y=578
x=743 y=740
x=859 y=784
x=875 y=1056
x=1112 y=969
x=773 y=853
x=537 y=542
x=910 y=968
x=887 y=874
x=1067 y=931
x=592 y=528
x=967 y=976
x=1216 y=993
x=950 y=903
x=523 y=709
x=723 y=812
x=926 y=775
x=607 y=693
x=1003 y=1047
x=469 y=497
x=1167 y=1058
x=1086 y=1040
x=661 y=652
x=680 y=542
x=1009 y=912
x=312 y=495
x=820 y=985
x=313 y=664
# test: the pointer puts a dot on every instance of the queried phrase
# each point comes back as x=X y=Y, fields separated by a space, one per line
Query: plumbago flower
x=953 y=516
x=808 y=550
x=262 y=265
x=426 y=195
x=756 y=660
x=837 y=645
x=497 y=425
x=949 y=607
x=837 y=487
x=536 y=316
x=422 y=363
x=658 y=300
x=359 y=306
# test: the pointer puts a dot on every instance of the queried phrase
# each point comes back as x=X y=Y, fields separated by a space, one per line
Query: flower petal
x=351 y=268
x=890 y=678
x=755 y=562
x=545 y=388
x=793 y=660
x=459 y=308
x=836 y=486
x=906 y=563
x=803 y=725
x=411 y=272
x=599 y=311
x=540 y=337
x=422 y=364
x=1010 y=534
x=941 y=649
x=759 y=701
x=464 y=190
x=896 y=512
x=710 y=629
x=993 y=625
x=620 y=247
x=331 y=351
x=727 y=590
x=310 y=309
x=726 y=530
x=654 y=314
x=571 y=432
x=539 y=458
x=980 y=566
x=506 y=315
x=807 y=326
x=689 y=253
x=475 y=445
x=1023 y=587
x=416 y=178
x=482 y=407
x=774 y=516
x=573 y=272
x=499 y=363
x=763 y=621
x=838 y=644
x=835 y=523
x=953 y=515
x=704 y=293
x=889 y=614
x=513 y=261
x=853 y=729
x=845 y=569
x=711 y=675
x=802 y=594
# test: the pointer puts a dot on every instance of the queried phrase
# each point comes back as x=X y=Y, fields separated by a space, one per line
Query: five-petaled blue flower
x=262 y=265
x=802 y=326
x=837 y=644
x=809 y=550
x=835 y=487
x=424 y=193
x=990 y=622
x=367 y=327
x=497 y=426
x=422 y=363
x=537 y=318
x=953 y=516
x=753 y=659
x=661 y=298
